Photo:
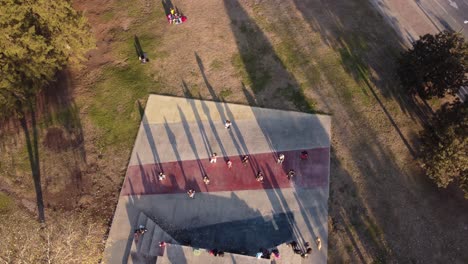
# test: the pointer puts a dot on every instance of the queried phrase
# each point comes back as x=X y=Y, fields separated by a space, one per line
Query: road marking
x=453 y=4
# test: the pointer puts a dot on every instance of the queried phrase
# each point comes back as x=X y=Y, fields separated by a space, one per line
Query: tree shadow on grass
x=393 y=189
x=63 y=134
x=369 y=49
x=52 y=118
x=373 y=158
x=255 y=50
x=258 y=64
x=33 y=153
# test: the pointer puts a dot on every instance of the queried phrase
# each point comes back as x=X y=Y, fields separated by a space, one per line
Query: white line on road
x=453 y=3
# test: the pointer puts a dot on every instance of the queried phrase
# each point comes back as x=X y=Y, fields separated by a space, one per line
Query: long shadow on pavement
x=245 y=44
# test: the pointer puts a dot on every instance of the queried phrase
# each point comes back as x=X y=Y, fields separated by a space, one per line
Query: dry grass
x=333 y=56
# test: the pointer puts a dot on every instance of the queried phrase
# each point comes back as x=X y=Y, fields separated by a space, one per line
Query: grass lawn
x=330 y=57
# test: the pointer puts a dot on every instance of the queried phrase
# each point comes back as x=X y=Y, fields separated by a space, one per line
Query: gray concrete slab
x=174 y=212
x=168 y=142
x=179 y=129
x=182 y=254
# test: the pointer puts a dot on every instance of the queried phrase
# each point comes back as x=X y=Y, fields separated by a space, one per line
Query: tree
x=38 y=38
x=435 y=65
x=444 y=146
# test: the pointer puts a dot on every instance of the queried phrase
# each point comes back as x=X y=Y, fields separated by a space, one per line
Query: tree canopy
x=444 y=146
x=435 y=65
x=38 y=38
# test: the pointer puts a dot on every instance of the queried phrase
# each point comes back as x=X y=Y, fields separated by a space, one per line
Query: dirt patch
x=55 y=139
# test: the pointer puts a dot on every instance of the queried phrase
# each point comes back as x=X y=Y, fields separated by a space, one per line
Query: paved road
x=413 y=18
x=447 y=14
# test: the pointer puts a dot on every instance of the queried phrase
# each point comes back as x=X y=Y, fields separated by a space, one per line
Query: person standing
x=191 y=193
x=259 y=177
x=227 y=124
x=245 y=160
x=280 y=158
x=229 y=164
x=213 y=158
x=206 y=180
x=291 y=174
x=161 y=176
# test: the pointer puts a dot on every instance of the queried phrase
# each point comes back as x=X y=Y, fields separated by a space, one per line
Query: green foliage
x=252 y=71
x=5 y=203
x=225 y=93
x=216 y=64
x=38 y=38
x=435 y=65
x=297 y=96
x=444 y=146
x=115 y=107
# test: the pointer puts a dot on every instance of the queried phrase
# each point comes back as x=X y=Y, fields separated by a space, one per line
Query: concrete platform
x=181 y=176
x=234 y=212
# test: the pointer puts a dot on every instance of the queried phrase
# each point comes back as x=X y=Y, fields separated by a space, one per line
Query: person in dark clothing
x=141 y=230
x=306 y=253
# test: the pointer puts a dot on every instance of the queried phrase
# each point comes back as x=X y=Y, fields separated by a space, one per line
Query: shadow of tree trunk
x=33 y=153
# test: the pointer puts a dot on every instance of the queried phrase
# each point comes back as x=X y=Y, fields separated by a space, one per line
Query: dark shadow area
x=51 y=124
x=192 y=141
x=225 y=114
x=33 y=154
x=374 y=201
x=250 y=39
x=261 y=64
x=138 y=247
x=173 y=141
x=202 y=130
x=239 y=237
x=278 y=200
x=138 y=48
x=368 y=151
x=167 y=5
x=149 y=136
x=63 y=134
x=369 y=54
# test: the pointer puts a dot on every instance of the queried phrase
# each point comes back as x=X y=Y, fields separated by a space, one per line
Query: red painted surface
x=184 y=175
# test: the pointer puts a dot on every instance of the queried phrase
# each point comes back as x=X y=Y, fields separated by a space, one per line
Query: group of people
x=175 y=17
x=245 y=161
x=266 y=254
x=140 y=231
x=307 y=248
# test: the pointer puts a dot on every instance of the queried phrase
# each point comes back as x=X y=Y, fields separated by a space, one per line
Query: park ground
x=333 y=57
